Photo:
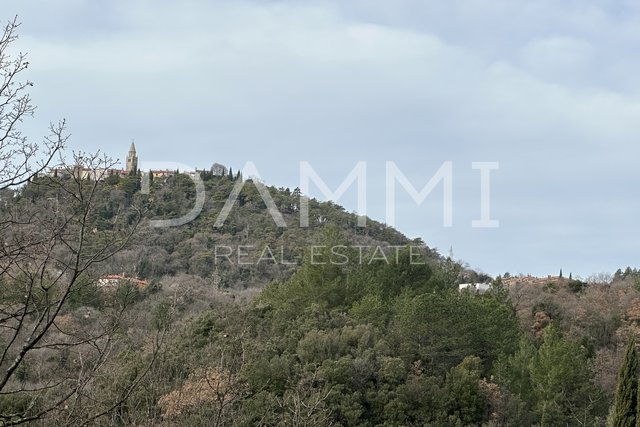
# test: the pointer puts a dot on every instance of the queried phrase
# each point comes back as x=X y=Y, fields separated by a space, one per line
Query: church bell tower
x=132 y=160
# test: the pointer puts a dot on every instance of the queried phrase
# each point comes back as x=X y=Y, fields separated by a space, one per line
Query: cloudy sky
x=548 y=89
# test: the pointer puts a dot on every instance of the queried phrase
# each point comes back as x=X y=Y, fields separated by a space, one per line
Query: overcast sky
x=547 y=88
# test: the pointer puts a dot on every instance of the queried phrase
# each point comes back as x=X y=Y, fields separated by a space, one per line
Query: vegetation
x=380 y=342
x=321 y=329
x=625 y=405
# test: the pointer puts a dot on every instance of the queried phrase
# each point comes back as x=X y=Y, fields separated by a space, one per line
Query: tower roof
x=133 y=147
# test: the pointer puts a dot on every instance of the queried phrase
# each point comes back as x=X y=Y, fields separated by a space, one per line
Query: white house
x=480 y=288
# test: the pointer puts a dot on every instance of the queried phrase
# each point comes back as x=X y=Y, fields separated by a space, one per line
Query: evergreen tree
x=625 y=404
x=231 y=174
x=560 y=380
x=561 y=273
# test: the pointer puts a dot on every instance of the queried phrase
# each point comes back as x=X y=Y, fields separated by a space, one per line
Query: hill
x=249 y=250
x=175 y=334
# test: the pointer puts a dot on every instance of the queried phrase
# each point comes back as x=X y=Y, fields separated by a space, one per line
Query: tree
x=560 y=381
x=218 y=170
x=54 y=350
x=464 y=398
x=48 y=260
x=625 y=404
x=212 y=391
x=20 y=160
x=552 y=381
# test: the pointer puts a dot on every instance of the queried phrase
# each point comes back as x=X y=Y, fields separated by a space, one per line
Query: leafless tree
x=46 y=262
x=57 y=356
x=306 y=404
x=20 y=159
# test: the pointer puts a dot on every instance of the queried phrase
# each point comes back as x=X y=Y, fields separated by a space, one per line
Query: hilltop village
x=131 y=168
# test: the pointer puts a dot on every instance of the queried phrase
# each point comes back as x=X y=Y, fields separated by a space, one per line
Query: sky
x=549 y=90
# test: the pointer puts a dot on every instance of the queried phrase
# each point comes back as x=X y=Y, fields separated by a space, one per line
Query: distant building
x=480 y=288
x=97 y=174
x=131 y=168
x=533 y=280
x=219 y=170
x=59 y=173
x=166 y=173
x=79 y=172
x=132 y=160
x=162 y=173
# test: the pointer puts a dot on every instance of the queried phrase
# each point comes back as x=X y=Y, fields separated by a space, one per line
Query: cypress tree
x=625 y=404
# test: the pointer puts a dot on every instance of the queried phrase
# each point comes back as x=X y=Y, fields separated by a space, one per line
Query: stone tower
x=132 y=160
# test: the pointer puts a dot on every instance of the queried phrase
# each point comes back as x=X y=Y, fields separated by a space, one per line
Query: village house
x=480 y=288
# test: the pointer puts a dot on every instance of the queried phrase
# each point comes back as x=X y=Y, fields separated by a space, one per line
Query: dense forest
x=300 y=343
x=107 y=320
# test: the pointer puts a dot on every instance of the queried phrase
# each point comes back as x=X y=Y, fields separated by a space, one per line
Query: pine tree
x=561 y=273
x=625 y=404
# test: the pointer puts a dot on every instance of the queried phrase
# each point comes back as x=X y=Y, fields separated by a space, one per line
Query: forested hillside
x=349 y=343
x=191 y=249
x=110 y=316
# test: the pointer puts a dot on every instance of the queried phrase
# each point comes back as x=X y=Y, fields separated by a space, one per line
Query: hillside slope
x=249 y=250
